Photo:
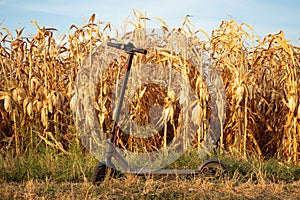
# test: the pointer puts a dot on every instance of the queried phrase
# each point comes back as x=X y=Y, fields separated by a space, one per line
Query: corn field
x=260 y=77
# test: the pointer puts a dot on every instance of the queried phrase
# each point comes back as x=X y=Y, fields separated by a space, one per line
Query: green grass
x=47 y=163
x=263 y=170
x=48 y=174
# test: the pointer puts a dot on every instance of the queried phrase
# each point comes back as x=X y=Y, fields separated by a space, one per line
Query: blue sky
x=265 y=16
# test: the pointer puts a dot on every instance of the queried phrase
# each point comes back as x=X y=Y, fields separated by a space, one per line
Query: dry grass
x=137 y=188
x=261 y=80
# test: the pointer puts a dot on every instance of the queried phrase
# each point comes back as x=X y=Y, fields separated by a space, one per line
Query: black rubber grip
x=142 y=51
x=115 y=45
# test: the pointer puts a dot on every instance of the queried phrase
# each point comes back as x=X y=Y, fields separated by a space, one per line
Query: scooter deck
x=165 y=171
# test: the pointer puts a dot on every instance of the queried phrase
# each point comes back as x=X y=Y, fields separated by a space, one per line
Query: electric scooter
x=209 y=168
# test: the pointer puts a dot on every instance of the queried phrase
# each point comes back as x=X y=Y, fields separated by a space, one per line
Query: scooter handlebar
x=129 y=48
x=110 y=44
x=142 y=51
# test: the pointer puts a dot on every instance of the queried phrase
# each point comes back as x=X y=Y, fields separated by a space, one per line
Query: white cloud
x=5 y=2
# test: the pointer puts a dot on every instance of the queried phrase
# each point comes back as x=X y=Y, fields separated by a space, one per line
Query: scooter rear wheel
x=213 y=168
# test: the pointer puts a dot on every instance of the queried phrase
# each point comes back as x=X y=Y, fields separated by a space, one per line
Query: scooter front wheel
x=100 y=172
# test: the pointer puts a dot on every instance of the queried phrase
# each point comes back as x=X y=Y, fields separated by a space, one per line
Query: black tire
x=100 y=172
x=213 y=168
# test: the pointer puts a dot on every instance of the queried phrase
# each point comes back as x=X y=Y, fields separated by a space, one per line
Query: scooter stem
x=123 y=89
x=110 y=143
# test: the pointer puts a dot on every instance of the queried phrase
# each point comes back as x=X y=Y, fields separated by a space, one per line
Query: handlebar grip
x=142 y=51
x=115 y=45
